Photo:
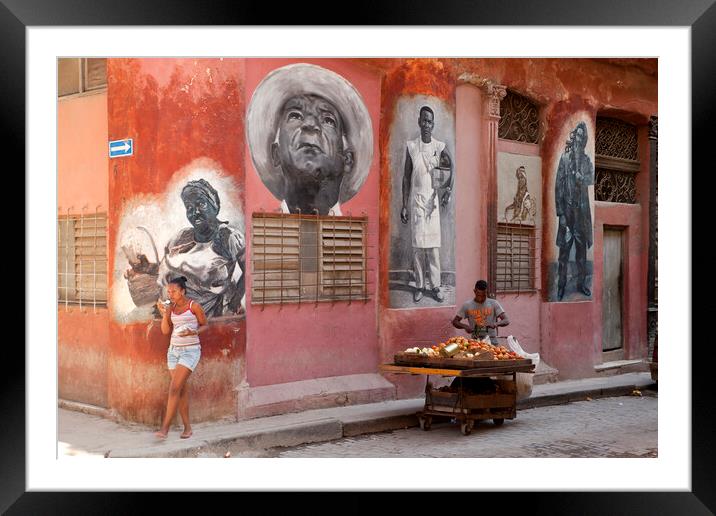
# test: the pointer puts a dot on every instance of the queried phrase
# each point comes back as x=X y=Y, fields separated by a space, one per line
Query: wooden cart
x=462 y=405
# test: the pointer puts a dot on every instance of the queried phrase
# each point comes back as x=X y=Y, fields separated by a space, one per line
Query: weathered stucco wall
x=82 y=180
x=295 y=342
x=406 y=327
x=182 y=110
x=83 y=334
x=178 y=111
x=83 y=350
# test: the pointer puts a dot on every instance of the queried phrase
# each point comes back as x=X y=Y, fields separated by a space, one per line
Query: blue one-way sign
x=119 y=148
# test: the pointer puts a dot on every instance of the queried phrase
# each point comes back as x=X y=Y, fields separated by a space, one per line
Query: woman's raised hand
x=161 y=307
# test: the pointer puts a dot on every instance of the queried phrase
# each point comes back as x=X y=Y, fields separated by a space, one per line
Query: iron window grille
x=519 y=119
x=616 y=161
x=516 y=258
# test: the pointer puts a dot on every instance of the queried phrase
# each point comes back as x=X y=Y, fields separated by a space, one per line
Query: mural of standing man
x=310 y=138
x=427 y=183
x=575 y=174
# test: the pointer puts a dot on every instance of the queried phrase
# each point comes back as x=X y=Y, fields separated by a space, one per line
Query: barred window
x=79 y=75
x=82 y=259
x=516 y=251
x=519 y=119
x=616 y=161
x=303 y=258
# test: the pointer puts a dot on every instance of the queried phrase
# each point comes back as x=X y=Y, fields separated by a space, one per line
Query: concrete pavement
x=83 y=432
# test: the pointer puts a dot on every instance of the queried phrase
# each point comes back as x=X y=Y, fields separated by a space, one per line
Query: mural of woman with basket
x=210 y=254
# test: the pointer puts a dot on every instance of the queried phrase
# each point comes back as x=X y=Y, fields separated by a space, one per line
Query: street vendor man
x=483 y=315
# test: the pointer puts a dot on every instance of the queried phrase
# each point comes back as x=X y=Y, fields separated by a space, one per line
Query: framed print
x=27 y=31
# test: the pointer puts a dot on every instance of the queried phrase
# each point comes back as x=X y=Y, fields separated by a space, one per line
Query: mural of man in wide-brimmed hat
x=310 y=137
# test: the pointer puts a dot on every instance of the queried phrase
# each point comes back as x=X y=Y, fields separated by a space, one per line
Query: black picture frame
x=699 y=15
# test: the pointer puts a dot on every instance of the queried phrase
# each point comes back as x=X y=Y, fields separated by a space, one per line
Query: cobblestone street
x=623 y=426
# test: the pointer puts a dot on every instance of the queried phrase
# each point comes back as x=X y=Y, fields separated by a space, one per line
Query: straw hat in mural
x=265 y=109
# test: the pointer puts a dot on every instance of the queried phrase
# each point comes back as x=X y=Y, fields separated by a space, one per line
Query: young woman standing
x=183 y=319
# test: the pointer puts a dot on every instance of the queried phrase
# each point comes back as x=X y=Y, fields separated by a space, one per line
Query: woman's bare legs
x=184 y=410
x=180 y=374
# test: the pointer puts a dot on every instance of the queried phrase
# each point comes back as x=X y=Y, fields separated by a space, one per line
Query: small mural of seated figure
x=523 y=206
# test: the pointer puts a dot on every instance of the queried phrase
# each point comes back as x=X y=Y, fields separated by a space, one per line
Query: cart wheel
x=498 y=421
x=425 y=422
x=466 y=427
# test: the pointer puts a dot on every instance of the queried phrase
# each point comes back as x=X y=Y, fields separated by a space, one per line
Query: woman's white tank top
x=185 y=320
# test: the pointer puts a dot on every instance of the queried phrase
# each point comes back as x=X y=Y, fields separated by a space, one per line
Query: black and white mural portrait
x=195 y=230
x=422 y=162
x=573 y=199
x=310 y=138
x=519 y=188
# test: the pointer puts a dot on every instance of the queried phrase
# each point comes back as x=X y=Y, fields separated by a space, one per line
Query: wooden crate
x=505 y=397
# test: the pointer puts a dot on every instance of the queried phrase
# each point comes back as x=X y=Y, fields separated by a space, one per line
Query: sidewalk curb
x=560 y=399
x=326 y=429
x=91 y=410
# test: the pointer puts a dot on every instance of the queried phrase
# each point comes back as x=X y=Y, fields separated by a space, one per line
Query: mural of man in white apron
x=428 y=170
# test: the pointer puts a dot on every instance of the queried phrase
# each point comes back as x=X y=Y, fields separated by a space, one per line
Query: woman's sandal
x=160 y=435
x=185 y=435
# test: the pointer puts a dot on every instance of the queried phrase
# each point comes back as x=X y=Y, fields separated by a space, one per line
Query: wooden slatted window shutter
x=95 y=73
x=82 y=259
x=276 y=271
x=307 y=258
x=80 y=75
x=343 y=260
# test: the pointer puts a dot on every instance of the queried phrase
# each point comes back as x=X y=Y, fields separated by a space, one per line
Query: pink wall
x=572 y=332
x=82 y=186
x=523 y=309
x=83 y=342
x=82 y=153
x=571 y=336
x=291 y=342
x=471 y=217
x=629 y=218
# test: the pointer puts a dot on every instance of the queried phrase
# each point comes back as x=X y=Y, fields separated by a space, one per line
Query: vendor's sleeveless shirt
x=186 y=319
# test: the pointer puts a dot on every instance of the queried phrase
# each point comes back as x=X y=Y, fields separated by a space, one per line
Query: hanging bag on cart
x=524 y=380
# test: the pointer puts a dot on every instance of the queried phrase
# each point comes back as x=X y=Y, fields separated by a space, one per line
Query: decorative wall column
x=494 y=93
x=652 y=278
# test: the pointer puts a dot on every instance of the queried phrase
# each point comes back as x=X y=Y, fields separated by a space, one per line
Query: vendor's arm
x=500 y=320
x=460 y=325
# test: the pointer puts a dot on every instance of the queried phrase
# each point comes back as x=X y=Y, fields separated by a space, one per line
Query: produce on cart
x=485 y=384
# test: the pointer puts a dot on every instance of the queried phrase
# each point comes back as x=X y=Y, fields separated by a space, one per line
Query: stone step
x=621 y=367
x=544 y=373
x=335 y=391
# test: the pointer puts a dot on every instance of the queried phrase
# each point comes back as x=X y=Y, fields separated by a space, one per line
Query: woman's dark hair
x=180 y=282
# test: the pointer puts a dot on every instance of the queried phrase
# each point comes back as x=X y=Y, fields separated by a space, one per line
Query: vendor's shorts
x=188 y=356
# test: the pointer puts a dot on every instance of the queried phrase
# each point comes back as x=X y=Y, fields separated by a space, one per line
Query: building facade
x=354 y=204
